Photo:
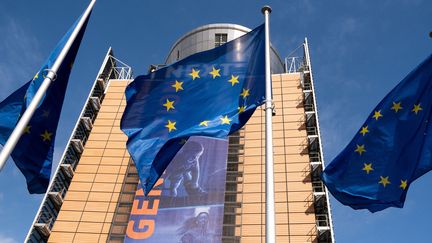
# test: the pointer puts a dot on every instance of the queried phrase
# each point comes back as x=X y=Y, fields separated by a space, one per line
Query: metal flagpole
x=50 y=77
x=270 y=210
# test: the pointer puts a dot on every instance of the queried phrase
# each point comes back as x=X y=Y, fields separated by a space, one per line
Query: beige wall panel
x=254 y=151
x=106 y=178
x=109 y=217
x=80 y=186
x=116 y=145
x=116 y=130
x=298 y=176
x=114 y=152
x=302 y=239
x=92 y=152
x=111 y=161
x=253 y=208
x=107 y=115
x=301 y=218
x=301 y=149
x=252 y=239
x=63 y=237
x=300 y=196
x=104 y=122
x=252 y=219
x=299 y=186
x=295 y=158
x=86 y=238
x=101 y=129
x=73 y=205
x=82 y=168
x=65 y=226
x=253 y=178
x=96 y=206
x=300 y=229
x=114 y=96
x=252 y=197
x=118 y=137
x=86 y=227
x=298 y=167
x=252 y=230
x=280 y=187
x=76 y=195
x=298 y=141
x=109 y=108
x=99 y=196
x=109 y=169
x=254 y=136
x=103 y=187
x=301 y=207
x=89 y=161
x=114 y=89
x=83 y=177
x=118 y=82
x=93 y=217
x=98 y=137
x=96 y=144
x=69 y=215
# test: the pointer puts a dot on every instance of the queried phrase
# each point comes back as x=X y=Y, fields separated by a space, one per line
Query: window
x=220 y=39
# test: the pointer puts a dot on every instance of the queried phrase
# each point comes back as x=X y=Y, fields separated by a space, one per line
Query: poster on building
x=187 y=203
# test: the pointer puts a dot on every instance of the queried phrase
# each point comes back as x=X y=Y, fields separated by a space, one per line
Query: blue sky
x=359 y=51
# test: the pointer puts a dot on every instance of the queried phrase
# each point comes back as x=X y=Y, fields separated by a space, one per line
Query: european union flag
x=391 y=150
x=33 y=154
x=211 y=93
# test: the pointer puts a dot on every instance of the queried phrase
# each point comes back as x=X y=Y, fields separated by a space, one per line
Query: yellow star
x=417 y=108
x=46 y=136
x=225 y=120
x=404 y=184
x=364 y=130
x=36 y=76
x=204 y=123
x=241 y=109
x=177 y=86
x=27 y=130
x=233 y=80
x=367 y=167
x=360 y=149
x=169 y=104
x=384 y=181
x=215 y=73
x=171 y=126
x=396 y=106
x=245 y=93
x=377 y=115
x=194 y=74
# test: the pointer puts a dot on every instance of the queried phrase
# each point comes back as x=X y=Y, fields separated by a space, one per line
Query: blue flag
x=391 y=149
x=33 y=153
x=211 y=93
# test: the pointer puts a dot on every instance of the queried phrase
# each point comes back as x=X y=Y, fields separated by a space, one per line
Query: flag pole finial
x=266 y=8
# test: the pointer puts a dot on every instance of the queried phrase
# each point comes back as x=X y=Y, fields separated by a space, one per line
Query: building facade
x=91 y=195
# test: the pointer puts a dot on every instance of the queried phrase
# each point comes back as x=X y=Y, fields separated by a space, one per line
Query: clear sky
x=359 y=51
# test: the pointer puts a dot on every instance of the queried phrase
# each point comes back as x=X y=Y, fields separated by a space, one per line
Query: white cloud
x=7 y=239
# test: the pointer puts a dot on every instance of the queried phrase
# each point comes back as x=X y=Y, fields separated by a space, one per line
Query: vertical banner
x=187 y=203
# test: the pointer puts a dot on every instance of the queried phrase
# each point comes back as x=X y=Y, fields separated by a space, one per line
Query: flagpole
x=50 y=77
x=270 y=210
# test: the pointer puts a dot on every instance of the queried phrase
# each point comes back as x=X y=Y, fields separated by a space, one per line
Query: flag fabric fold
x=391 y=150
x=33 y=154
x=211 y=93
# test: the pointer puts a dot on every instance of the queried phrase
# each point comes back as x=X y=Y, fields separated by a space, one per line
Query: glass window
x=220 y=39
